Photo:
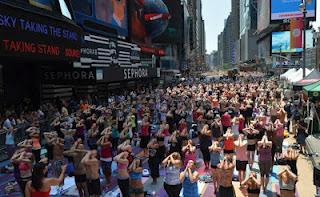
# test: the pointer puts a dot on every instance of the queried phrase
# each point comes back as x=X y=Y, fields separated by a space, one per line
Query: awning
x=315 y=87
x=313 y=77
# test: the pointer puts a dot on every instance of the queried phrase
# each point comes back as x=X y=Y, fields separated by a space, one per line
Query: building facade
x=248 y=30
x=197 y=35
x=228 y=40
x=220 y=49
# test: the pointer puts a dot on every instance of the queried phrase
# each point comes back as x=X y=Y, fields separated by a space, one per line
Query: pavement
x=305 y=187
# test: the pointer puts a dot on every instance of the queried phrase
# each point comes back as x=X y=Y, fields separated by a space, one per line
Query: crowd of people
x=218 y=126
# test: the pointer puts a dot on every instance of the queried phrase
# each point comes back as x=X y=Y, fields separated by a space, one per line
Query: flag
x=296 y=28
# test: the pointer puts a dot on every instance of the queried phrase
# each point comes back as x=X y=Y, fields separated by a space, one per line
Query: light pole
x=316 y=37
x=303 y=9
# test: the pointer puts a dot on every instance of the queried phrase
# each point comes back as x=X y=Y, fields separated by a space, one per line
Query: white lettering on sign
x=89 y=51
x=72 y=75
x=134 y=73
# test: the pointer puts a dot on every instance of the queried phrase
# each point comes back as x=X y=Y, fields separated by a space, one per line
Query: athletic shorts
x=94 y=187
x=106 y=167
x=136 y=191
x=172 y=190
x=80 y=178
x=241 y=165
x=251 y=147
x=226 y=191
x=265 y=167
x=228 y=151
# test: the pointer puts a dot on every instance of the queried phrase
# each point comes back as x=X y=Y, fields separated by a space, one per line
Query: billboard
x=112 y=12
x=280 y=42
x=149 y=19
x=174 y=31
x=285 y=9
x=33 y=36
x=109 y=13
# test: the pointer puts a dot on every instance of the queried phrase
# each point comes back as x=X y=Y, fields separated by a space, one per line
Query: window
x=64 y=9
x=82 y=6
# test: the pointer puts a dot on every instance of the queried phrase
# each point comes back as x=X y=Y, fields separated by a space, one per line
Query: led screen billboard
x=285 y=9
x=174 y=31
x=280 y=42
x=110 y=13
x=149 y=19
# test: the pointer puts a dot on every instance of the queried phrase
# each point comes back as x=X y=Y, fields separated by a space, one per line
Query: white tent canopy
x=288 y=73
x=297 y=76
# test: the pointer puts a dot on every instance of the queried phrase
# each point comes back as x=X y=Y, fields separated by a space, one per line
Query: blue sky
x=214 y=12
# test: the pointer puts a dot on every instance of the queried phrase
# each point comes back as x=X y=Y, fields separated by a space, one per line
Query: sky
x=214 y=13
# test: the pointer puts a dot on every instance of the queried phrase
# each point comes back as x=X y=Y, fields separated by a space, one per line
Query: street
x=159 y=98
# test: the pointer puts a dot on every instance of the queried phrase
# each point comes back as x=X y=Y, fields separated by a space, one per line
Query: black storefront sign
x=97 y=51
x=69 y=76
x=121 y=74
x=31 y=35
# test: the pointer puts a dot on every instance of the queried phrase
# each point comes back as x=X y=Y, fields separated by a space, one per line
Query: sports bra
x=135 y=175
x=251 y=136
x=122 y=166
x=24 y=166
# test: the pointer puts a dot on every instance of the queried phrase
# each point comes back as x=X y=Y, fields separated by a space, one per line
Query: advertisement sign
x=174 y=31
x=296 y=28
x=286 y=9
x=97 y=51
x=149 y=19
x=120 y=74
x=280 y=42
x=113 y=12
x=69 y=76
x=28 y=35
x=102 y=16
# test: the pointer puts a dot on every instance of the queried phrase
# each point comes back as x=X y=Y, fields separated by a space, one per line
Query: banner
x=287 y=9
x=69 y=75
x=296 y=28
x=125 y=74
x=30 y=35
